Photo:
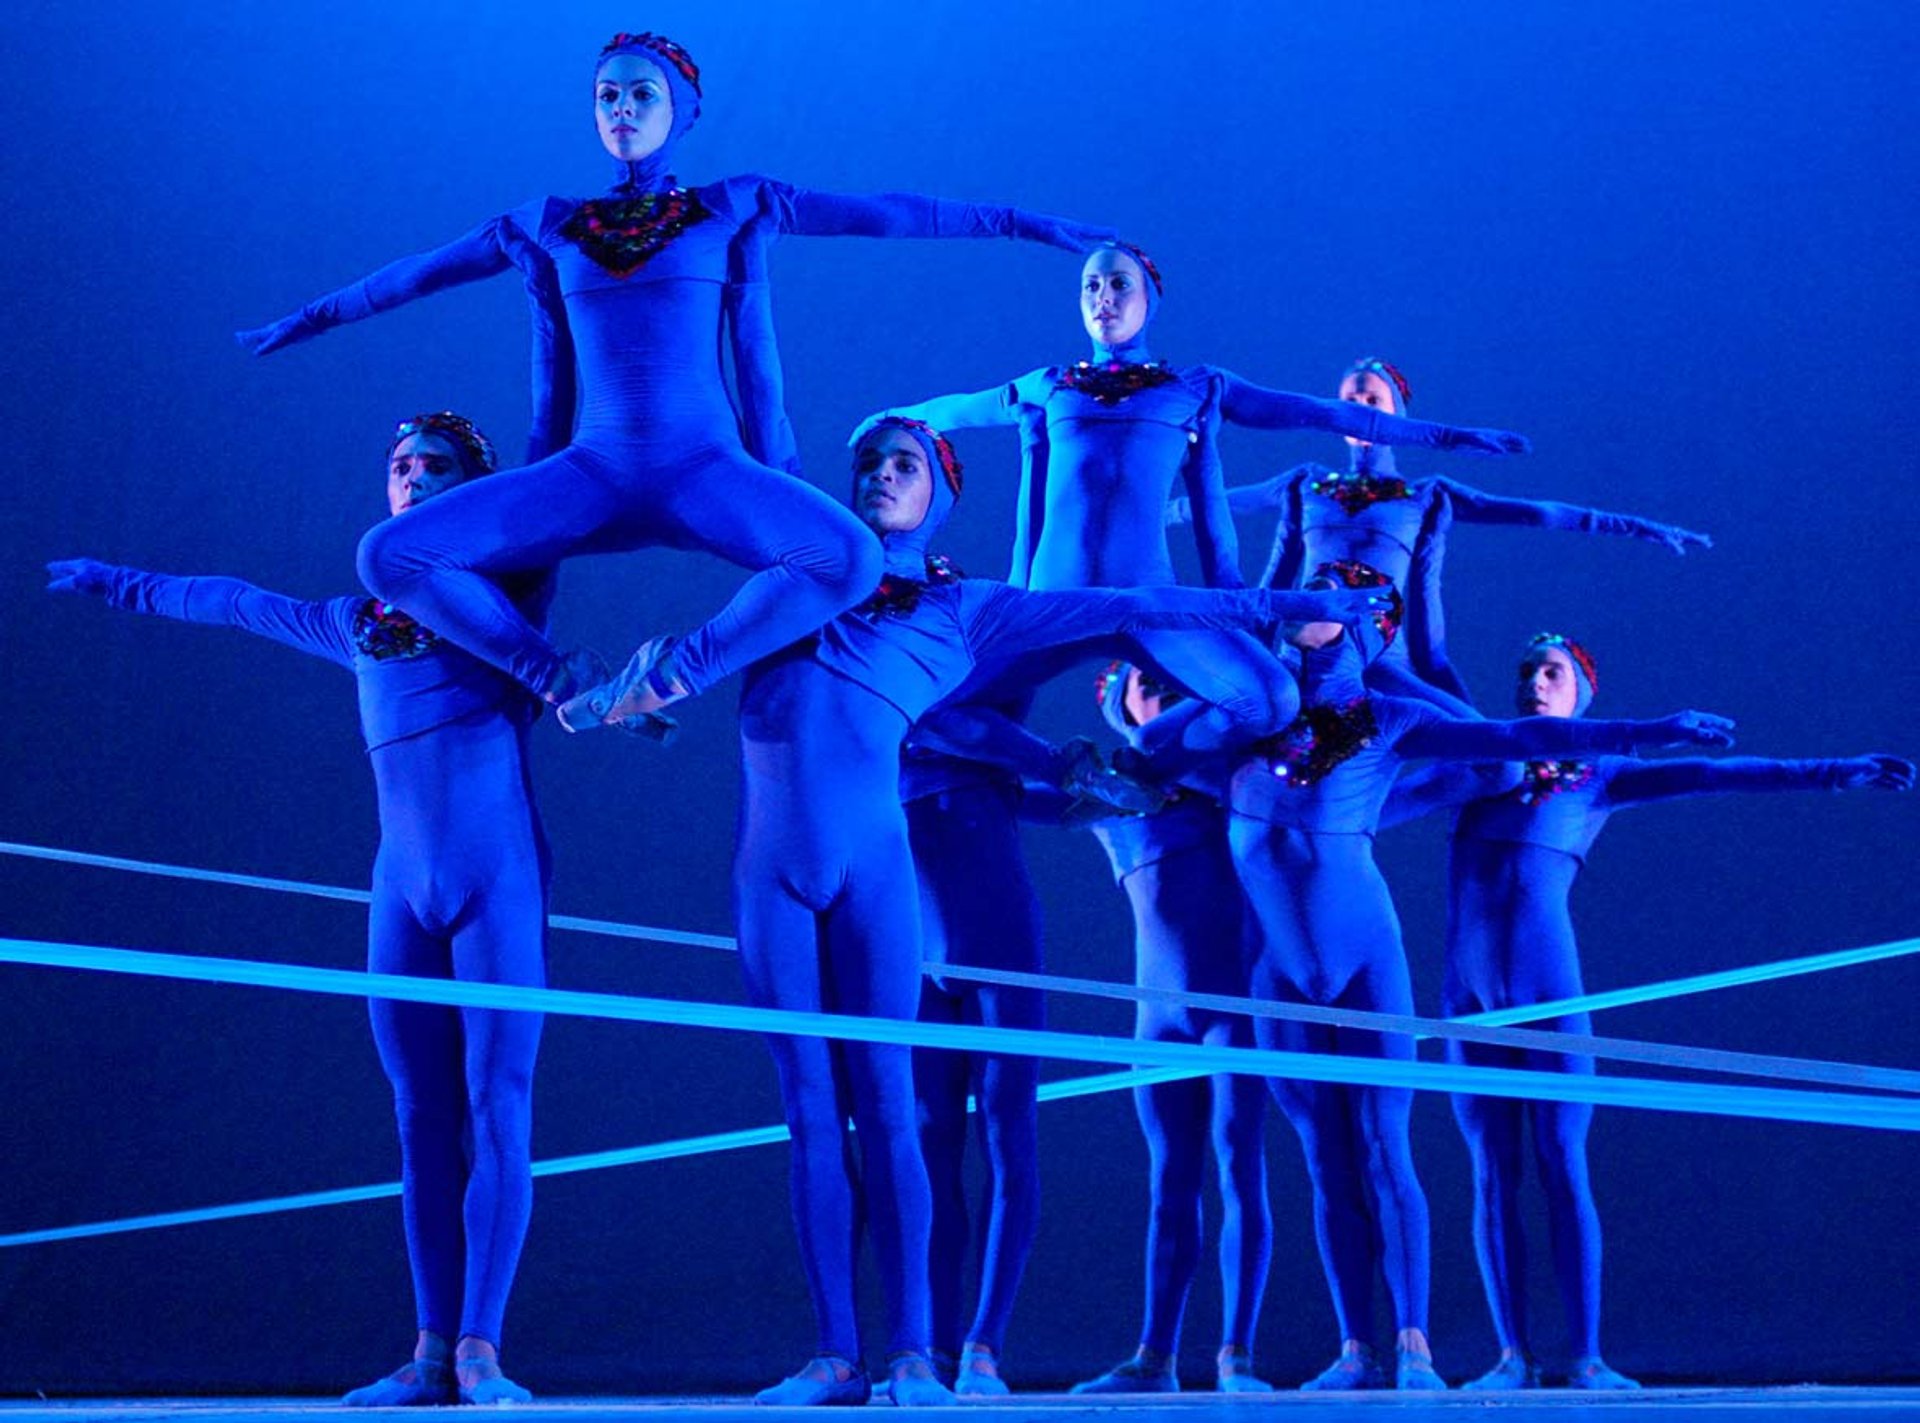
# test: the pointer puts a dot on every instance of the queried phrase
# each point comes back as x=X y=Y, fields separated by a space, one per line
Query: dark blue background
x=1672 y=243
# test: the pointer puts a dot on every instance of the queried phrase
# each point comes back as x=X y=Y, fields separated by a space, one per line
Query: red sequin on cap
x=660 y=45
x=622 y=235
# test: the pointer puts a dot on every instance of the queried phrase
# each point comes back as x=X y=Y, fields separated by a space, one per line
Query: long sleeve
x=1476 y=507
x=1289 y=550
x=1259 y=408
x=808 y=213
x=973 y=732
x=966 y=410
x=480 y=253
x=1426 y=625
x=1638 y=782
x=1432 y=733
x=321 y=629
x=1275 y=493
x=1214 y=533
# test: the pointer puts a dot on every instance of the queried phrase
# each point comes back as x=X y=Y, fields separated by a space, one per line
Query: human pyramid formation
x=886 y=768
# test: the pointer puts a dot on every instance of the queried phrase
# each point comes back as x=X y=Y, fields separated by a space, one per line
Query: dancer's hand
x=264 y=339
x=1695 y=728
x=80 y=575
x=1878 y=771
x=866 y=427
x=1675 y=538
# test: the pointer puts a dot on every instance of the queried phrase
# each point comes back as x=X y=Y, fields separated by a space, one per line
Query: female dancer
x=1190 y=934
x=1372 y=515
x=1523 y=832
x=1304 y=813
x=649 y=274
x=459 y=891
x=1107 y=439
x=823 y=878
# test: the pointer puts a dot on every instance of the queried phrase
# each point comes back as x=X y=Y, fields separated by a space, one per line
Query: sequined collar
x=624 y=234
x=1319 y=740
x=899 y=595
x=1543 y=780
x=1356 y=491
x=1111 y=382
x=384 y=633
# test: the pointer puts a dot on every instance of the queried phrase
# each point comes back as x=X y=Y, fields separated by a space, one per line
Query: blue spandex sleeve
x=1278 y=492
x=1002 y=622
x=973 y=732
x=1640 y=782
x=1431 y=733
x=807 y=213
x=1206 y=481
x=1477 y=508
x=1256 y=407
x=322 y=629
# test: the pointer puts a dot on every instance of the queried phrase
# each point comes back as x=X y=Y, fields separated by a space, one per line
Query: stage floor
x=1800 y=1404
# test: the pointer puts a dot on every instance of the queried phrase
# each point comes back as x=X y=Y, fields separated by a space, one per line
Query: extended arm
x=1478 y=508
x=973 y=732
x=1431 y=733
x=480 y=253
x=815 y=214
x=1255 y=406
x=996 y=405
x=318 y=628
x=1640 y=782
x=1275 y=493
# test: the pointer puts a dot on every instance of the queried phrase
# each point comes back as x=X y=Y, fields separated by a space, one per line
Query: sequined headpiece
x=456 y=429
x=1139 y=254
x=1582 y=660
x=1351 y=573
x=660 y=47
x=683 y=82
x=1373 y=365
x=940 y=453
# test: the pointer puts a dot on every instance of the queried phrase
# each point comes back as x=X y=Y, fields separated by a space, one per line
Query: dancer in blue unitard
x=1190 y=934
x=1521 y=836
x=459 y=891
x=1304 y=813
x=1371 y=514
x=650 y=274
x=1105 y=442
x=824 y=890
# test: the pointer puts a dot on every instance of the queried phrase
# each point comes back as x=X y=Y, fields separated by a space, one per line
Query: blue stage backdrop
x=1673 y=244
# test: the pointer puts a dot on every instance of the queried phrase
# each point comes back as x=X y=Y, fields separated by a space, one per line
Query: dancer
x=1522 y=834
x=1191 y=935
x=1105 y=442
x=1399 y=526
x=823 y=878
x=649 y=274
x=1304 y=812
x=459 y=891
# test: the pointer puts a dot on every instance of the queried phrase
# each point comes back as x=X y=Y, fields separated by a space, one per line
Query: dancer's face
x=1367 y=388
x=421 y=466
x=1549 y=684
x=632 y=106
x=1147 y=696
x=892 y=483
x=1113 y=297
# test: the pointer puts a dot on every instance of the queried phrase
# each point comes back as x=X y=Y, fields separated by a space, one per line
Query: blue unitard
x=650 y=276
x=1191 y=934
x=1105 y=443
x=1304 y=814
x=824 y=887
x=1372 y=515
x=1522 y=833
x=459 y=891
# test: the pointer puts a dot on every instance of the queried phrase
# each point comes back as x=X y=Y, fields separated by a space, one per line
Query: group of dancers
x=886 y=767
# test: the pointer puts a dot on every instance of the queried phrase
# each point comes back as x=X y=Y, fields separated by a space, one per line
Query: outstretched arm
x=1431 y=733
x=1640 y=782
x=480 y=253
x=808 y=213
x=968 y=410
x=322 y=629
x=1255 y=406
x=1478 y=508
x=973 y=732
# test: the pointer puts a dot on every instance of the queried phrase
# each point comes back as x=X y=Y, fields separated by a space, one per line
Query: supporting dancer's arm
x=1477 y=508
x=1259 y=408
x=1430 y=733
x=323 y=628
x=970 y=731
x=808 y=213
x=1214 y=533
x=1278 y=492
x=1637 y=783
x=1445 y=785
